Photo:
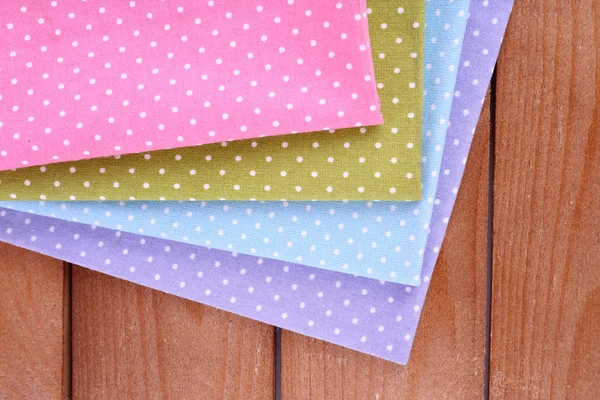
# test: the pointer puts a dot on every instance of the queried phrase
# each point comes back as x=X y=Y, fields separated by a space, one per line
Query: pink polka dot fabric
x=84 y=79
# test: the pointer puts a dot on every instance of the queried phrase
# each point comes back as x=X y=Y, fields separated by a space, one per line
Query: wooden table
x=526 y=223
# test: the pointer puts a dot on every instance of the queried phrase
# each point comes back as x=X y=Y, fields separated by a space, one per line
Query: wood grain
x=546 y=257
x=448 y=354
x=31 y=325
x=131 y=342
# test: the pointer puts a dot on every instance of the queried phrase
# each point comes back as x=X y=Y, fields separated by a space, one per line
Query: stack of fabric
x=292 y=162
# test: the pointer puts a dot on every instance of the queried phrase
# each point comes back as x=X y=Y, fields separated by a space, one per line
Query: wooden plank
x=448 y=354
x=546 y=264
x=133 y=342
x=31 y=325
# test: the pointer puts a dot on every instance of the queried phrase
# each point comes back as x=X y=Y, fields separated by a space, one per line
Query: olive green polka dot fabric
x=365 y=163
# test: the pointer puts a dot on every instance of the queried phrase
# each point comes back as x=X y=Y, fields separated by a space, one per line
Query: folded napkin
x=83 y=79
x=365 y=163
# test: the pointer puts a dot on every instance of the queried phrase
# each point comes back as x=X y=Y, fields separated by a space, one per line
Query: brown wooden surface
x=131 y=342
x=31 y=325
x=546 y=280
x=112 y=339
x=447 y=358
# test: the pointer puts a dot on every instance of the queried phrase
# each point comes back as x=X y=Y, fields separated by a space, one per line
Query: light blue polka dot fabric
x=381 y=240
